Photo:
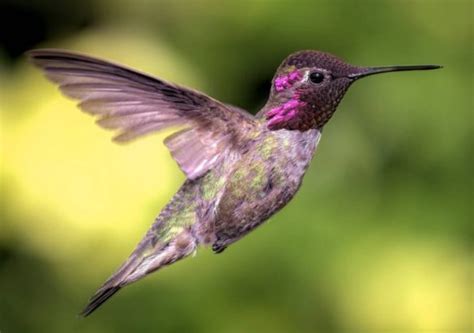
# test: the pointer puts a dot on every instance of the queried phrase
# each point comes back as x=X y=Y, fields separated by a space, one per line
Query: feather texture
x=137 y=104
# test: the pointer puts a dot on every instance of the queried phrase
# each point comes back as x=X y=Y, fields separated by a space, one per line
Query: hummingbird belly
x=246 y=190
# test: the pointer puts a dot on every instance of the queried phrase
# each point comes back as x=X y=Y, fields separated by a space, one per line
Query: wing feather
x=137 y=104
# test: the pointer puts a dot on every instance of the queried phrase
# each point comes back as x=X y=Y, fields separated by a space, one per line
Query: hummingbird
x=240 y=168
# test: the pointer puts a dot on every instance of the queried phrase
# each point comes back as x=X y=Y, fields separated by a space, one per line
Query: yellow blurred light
x=60 y=162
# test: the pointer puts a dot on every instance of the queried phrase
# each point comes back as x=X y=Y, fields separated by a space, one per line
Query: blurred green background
x=379 y=239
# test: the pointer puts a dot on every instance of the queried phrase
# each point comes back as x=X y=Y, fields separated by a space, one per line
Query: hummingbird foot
x=218 y=248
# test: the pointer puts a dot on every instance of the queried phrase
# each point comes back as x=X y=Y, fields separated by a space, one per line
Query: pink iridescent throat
x=279 y=115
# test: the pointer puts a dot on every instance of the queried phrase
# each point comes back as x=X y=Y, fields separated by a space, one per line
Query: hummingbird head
x=309 y=85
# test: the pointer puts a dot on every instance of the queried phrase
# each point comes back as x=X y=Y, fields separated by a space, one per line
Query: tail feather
x=98 y=299
x=148 y=257
x=116 y=281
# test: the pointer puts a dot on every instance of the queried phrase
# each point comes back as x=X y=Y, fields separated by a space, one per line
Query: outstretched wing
x=137 y=104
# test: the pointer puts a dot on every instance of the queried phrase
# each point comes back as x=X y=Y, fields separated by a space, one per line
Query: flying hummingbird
x=240 y=168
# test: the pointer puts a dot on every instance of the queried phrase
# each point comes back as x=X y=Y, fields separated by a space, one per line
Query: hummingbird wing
x=137 y=104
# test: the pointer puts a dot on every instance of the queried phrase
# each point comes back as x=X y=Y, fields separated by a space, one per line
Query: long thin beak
x=378 y=70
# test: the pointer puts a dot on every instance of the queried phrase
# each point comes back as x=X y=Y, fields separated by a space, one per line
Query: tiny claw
x=218 y=248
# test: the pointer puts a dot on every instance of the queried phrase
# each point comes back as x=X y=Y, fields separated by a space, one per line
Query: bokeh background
x=379 y=239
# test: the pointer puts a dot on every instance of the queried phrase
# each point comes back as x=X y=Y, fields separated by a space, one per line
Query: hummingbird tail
x=170 y=238
x=98 y=299
x=148 y=257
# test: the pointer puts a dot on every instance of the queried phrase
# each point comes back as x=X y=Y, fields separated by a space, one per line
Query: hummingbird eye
x=316 y=77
